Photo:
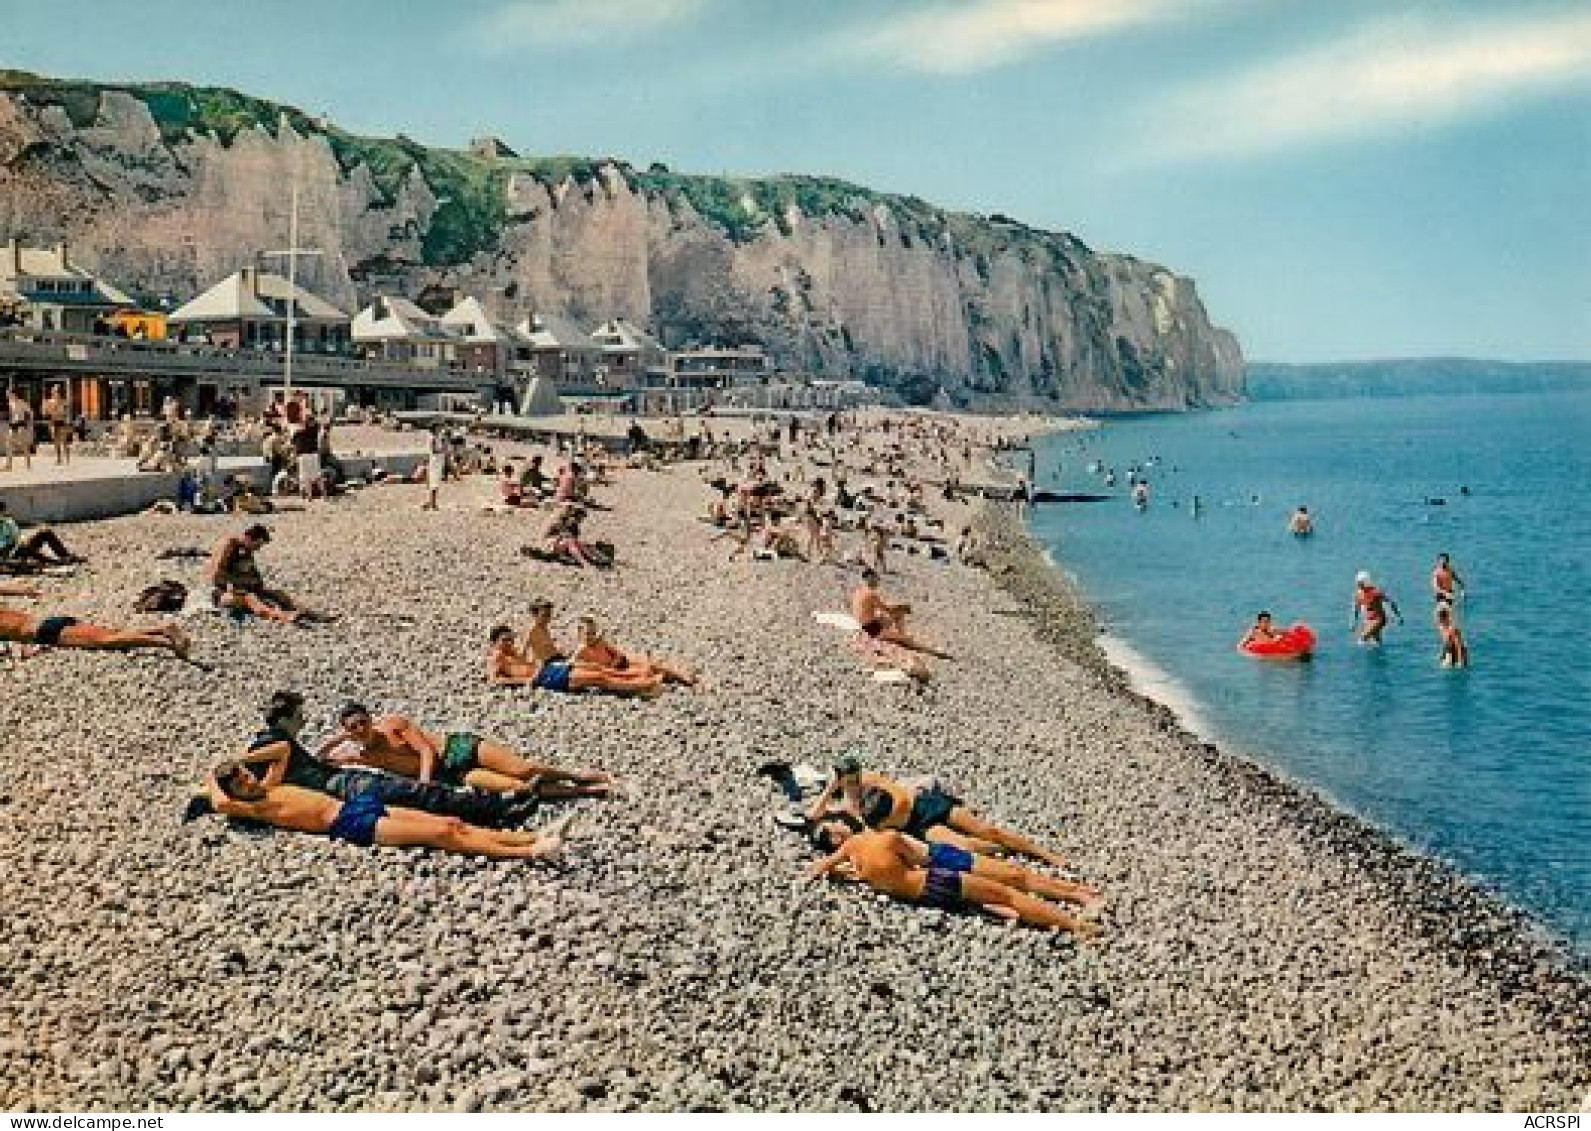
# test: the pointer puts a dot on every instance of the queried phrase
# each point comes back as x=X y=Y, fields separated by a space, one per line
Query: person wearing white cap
x=1373 y=604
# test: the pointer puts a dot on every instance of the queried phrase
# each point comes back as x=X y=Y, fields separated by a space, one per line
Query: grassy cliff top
x=471 y=187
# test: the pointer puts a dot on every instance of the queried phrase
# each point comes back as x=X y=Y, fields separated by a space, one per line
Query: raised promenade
x=39 y=355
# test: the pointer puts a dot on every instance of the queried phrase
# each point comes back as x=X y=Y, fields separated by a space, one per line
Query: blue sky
x=1343 y=178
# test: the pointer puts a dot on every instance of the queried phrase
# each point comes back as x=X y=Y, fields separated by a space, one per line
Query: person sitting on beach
x=1373 y=604
x=562 y=541
x=1455 y=651
x=69 y=632
x=239 y=585
x=508 y=488
x=928 y=813
x=40 y=549
x=508 y=666
x=884 y=620
x=533 y=480
x=277 y=756
x=459 y=758
x=945 y=878
x=1301 y=525
x=594 y=649
x=1260 y=631
x=366 y=820
x=1446 y=585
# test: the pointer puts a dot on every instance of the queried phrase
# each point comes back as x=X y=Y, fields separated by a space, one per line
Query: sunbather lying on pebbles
x=396 y=745
x=596 y=650
x=928 y=814
x=836 y=829
x=906 y=869
x=885 y=620
x=239 y=585
x=276 y=756
x=69 y=632
x=367 y=821
x=38 y=550
x=507 y=666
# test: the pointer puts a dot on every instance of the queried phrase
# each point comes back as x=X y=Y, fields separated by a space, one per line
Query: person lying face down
x=946 y=877
x=509 y=666
x=366 y=820
x=460 y=758
x=19 y=627
x=928 y=814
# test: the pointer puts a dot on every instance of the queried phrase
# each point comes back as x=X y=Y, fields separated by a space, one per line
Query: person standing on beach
x=1372 y=605
x=20 y=438
x=59 y=414
x=1446 y=585
x=306 y=449
x=435 y=467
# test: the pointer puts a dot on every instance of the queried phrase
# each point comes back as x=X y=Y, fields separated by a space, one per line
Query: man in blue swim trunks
x=365 y=820
x=949 y=878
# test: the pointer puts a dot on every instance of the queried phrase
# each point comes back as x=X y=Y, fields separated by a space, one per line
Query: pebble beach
x=1261 y=951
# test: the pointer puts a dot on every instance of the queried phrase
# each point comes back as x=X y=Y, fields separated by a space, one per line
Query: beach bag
x=162 y=597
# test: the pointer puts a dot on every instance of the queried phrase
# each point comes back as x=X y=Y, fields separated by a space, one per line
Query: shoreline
x=1500 y=942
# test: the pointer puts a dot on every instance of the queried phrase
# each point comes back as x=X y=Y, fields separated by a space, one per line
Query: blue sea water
x=1489 y=768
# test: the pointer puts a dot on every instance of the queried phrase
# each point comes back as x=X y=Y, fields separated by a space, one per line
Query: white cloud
x=576 y=23
x=975 y=35
x=1380 y=79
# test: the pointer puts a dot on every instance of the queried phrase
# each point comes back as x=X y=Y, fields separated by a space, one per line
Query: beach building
x=248 y=310
x=561 y=352
x=480 y=343
x=395 y=330
x=628 y=353
x=41 y=289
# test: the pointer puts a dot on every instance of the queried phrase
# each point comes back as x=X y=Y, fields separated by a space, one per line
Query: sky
x=1344 y=179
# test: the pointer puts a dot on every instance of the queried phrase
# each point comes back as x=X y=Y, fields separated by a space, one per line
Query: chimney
x=14 y=249
x=60 y=253
x=249 y=280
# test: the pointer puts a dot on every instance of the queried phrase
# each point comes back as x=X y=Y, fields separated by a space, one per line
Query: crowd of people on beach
x=835 y=493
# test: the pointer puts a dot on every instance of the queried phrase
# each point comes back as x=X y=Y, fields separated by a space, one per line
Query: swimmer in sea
x=1372 y=604
x=1455 y=651
x=1446 y=584
x=1301 y=525
x=1260 y=631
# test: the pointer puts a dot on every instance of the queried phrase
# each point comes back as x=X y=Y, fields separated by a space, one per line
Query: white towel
x=843 y=621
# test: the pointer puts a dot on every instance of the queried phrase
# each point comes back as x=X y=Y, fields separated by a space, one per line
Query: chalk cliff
x=164 y=188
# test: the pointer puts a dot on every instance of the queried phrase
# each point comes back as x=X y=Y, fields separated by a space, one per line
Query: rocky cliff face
x=164 y=188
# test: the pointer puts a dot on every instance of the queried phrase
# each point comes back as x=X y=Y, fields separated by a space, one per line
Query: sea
x=1487 y=768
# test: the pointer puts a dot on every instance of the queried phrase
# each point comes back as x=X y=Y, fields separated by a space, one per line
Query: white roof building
x=392 y=318
x=255 y=296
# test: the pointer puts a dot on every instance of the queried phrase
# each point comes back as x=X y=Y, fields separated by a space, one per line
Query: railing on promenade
x=55 y=353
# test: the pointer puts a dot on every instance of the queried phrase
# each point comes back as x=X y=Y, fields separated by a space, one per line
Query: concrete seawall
x=118 y=488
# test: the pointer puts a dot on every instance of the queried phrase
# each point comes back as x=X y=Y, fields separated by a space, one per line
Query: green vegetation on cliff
x=471 y=211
